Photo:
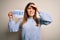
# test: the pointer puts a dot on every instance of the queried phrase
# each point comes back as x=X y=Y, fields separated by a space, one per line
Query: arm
x=13 y=25
x=45 y=18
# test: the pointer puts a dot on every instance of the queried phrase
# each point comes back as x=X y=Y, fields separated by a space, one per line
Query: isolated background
x=49 y=32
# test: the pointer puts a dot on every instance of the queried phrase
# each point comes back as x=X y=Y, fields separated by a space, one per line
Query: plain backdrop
x=48 y=32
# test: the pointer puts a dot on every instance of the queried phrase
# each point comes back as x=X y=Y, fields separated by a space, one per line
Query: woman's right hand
x=10 y=15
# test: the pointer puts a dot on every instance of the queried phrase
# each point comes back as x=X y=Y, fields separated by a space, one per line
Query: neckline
x=30 y=18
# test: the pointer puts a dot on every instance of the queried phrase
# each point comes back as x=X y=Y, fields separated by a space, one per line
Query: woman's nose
x=30 y=10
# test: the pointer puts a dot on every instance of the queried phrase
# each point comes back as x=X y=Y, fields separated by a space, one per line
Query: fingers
x=10 y=15
x=36 y=7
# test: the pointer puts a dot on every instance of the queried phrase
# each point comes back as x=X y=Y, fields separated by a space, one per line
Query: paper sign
x=18 y=13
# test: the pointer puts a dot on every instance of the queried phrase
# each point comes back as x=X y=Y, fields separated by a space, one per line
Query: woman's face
x=31 y=11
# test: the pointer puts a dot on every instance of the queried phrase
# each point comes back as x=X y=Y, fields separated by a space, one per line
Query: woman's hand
x=37 y=8
x=10 y=15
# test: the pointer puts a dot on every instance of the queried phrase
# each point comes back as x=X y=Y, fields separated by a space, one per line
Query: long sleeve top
x=29 y=30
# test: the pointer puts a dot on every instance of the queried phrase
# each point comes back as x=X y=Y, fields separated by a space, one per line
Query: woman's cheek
x=28 y=11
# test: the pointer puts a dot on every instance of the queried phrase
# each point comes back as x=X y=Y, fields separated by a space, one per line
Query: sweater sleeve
x=45 y=18
x=14 y=27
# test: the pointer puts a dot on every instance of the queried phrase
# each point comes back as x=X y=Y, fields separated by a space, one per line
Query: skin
x=31 y=11
x=10 y=15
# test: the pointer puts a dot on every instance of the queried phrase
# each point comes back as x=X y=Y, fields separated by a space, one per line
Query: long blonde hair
x=26 y=16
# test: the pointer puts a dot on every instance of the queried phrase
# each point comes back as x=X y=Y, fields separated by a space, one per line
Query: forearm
x=13 y=27
x=45 y=18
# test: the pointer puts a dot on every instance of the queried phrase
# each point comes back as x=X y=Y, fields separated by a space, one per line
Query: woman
x=30 y=23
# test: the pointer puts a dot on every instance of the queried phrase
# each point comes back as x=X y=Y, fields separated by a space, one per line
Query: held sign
x=18 y=13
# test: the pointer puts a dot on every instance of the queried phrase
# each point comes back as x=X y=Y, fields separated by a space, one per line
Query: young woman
x=30 y=23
